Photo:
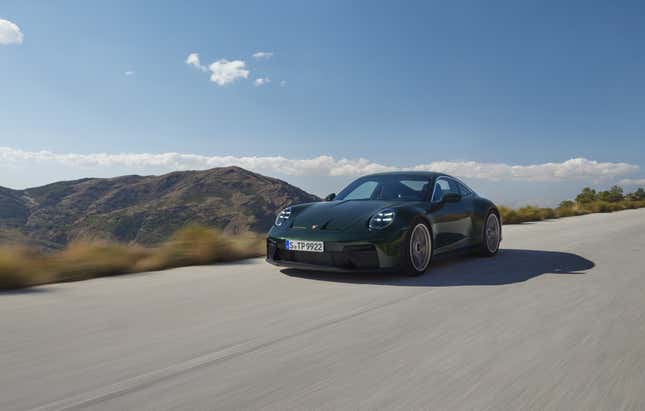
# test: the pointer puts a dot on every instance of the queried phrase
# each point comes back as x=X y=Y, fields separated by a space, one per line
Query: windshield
x=387 y=188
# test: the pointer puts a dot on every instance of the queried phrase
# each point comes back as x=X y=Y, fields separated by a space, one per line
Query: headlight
x=382 y=219
x=283 y=216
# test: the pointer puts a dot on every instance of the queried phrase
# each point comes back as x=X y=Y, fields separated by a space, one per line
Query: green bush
x=586 y=196
x=638 y=195
x=613 y=195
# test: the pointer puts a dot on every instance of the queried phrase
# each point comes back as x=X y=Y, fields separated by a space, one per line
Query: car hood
x=337 y=215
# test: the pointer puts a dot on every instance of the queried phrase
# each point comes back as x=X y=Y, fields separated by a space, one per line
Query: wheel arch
x=482 y=207
x=493 y=209
x=430 y=224
x=404 y=261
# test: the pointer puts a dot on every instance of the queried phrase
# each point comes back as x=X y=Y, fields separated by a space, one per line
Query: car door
x=452 y=219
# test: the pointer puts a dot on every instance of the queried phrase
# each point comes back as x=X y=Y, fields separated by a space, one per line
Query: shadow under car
x=507 y=267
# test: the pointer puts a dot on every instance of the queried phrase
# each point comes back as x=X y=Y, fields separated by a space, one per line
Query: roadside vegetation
x=22 y=266
x=587 y=202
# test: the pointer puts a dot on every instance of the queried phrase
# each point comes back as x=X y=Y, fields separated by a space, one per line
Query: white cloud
x=632 y=182
x=577 y=169
x=222 y=71
x=225 y=72
x=130 y=73
x=193 y=60
x=262 y=55
x=10 y=33
x=573 y=169
x=261 y=81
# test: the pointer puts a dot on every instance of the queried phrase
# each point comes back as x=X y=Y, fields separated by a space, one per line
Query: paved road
x=556 y=321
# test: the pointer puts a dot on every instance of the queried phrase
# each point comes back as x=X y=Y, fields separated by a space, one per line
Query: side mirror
x=330 y=197
x=451 y=197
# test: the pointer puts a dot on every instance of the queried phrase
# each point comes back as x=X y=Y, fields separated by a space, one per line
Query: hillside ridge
x=143 y=209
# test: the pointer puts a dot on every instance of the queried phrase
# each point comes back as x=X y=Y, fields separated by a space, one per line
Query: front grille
x=352 y=257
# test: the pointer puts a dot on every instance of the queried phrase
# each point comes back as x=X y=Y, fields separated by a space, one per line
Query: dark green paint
x=455 y=225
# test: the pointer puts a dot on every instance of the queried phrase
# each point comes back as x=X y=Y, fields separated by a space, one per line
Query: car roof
x=428 y=174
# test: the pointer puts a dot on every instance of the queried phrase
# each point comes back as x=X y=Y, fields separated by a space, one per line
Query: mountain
x=143 y=209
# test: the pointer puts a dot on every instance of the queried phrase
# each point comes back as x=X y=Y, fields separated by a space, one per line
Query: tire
x=416 y=249
x=491 y=235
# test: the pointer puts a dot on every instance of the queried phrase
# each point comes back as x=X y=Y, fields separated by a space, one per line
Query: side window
x=443 y=186
x=465 y=191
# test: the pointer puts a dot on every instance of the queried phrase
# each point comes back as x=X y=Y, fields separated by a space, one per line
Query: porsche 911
x=396 y=221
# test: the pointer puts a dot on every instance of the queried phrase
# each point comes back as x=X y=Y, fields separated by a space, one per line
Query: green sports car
x=389 y=221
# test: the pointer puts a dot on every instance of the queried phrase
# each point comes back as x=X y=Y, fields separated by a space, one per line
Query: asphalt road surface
x=555 y=321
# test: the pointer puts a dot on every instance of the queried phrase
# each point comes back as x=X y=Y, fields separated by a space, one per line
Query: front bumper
x=338 y=256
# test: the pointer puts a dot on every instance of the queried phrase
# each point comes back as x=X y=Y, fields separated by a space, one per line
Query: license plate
x=298 y=245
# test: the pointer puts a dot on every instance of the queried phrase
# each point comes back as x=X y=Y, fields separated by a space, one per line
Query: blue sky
x=400 y=85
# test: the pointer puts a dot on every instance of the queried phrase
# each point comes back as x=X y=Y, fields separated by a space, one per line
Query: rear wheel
x=416 y=251
x=491 y=235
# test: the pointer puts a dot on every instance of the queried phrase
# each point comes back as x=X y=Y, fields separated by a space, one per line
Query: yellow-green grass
x=192 y=245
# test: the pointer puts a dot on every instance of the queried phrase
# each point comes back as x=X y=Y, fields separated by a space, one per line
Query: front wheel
x=491 y=235
x=416 y=251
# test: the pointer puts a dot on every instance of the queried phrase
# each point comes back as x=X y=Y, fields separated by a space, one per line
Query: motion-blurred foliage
x=192 y=245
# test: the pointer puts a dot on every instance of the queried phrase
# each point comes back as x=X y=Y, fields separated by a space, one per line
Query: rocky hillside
x=145 y=210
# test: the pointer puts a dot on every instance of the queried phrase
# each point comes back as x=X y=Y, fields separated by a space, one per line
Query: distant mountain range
x=143 y=209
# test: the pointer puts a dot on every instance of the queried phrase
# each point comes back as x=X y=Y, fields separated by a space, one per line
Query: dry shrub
x=22 y=267
x=80 y=261
x=192 y=245
x=603 y=207
x=569 y=212
x=198 y=245
x=525 y=214
x=507 y=214
x=249 y=245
